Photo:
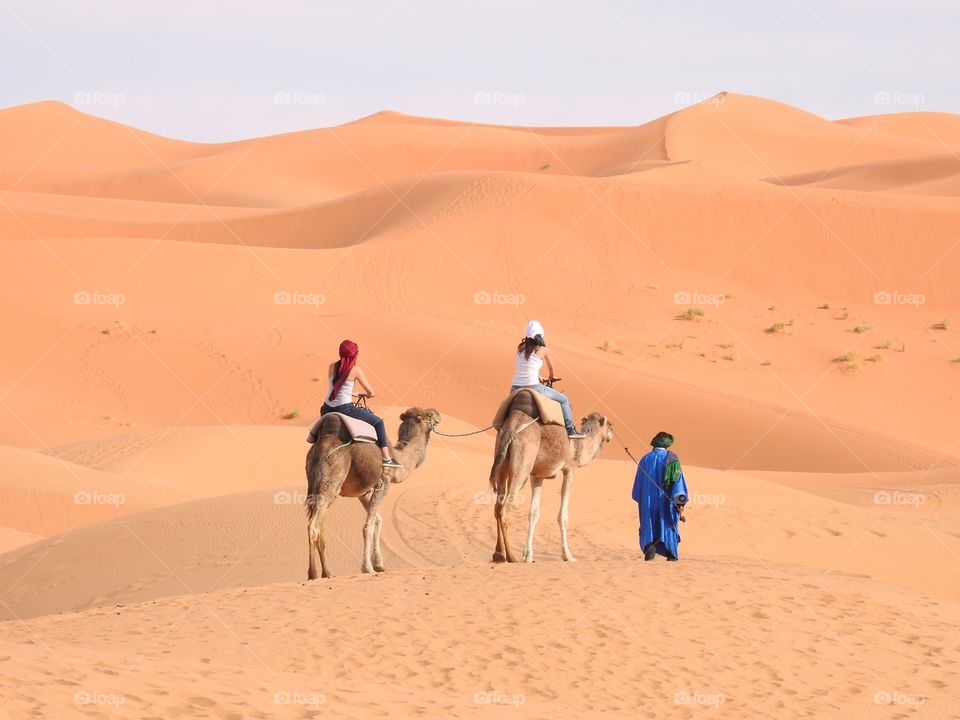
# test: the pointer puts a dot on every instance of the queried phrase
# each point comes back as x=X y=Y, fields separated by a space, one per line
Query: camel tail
x=313 y=480
x=318 y=465
x=503 y=450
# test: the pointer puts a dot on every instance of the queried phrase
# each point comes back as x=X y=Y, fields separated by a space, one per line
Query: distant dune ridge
x=776 y=289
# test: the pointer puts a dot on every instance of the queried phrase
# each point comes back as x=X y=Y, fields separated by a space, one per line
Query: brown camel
x=336 y=467
x=528 y=449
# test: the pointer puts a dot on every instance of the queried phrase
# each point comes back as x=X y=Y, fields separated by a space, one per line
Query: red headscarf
x=348 y=359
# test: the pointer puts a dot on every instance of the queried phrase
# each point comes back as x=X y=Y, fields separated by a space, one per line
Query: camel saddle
x=537 y=406
x=344 y=427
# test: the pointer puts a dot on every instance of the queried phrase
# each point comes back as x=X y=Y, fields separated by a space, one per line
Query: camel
x=528 y=449
x=338 y=468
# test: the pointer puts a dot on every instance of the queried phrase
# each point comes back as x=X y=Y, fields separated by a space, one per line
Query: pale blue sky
x=217 y=70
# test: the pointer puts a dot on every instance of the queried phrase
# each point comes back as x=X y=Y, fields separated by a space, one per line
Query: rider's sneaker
x=391 y=463
x=574 y=435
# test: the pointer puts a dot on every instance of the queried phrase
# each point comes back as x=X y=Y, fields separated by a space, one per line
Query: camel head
x=596 y=421
x=417 y=420
x=416 y=423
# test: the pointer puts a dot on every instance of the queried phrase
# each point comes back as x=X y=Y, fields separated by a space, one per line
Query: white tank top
x=344 y=397
x=528 y=370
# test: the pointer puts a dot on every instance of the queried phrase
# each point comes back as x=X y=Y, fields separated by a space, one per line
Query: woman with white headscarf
x=532 y=354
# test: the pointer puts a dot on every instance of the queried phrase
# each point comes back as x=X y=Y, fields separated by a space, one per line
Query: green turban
x=662 y=440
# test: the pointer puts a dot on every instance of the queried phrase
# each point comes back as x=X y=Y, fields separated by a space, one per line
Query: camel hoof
x=498 y=557
x=379 y=568
x=570 y=558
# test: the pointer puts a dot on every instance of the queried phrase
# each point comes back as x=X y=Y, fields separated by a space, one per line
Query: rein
x=338 y=447
x=456 y=435
x=625 y=448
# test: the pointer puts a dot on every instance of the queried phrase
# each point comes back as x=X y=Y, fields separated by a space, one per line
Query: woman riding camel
x=342 y=375
x=532 y=353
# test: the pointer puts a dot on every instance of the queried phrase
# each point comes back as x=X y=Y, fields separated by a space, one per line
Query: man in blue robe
x=660 y=491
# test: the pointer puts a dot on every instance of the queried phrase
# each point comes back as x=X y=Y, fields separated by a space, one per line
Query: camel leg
x=502 y=553
x=312 y=550
x=565 y=491
x=499 y=554
x=377 y=554
x=498 y=551
x=536 y=484
x=369 y=527
x=378 y=526
x=508 y=502
x=315 y=536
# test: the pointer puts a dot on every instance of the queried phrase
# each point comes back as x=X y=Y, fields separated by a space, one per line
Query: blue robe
x=658 y=484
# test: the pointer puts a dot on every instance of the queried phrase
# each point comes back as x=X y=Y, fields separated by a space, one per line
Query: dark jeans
x=360 y=414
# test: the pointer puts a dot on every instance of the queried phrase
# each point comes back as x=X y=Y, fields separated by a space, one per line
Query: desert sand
x=776 y=289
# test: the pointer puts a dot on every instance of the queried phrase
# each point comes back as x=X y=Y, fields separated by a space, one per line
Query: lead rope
x=625 y=448
x=456 y=435
x=338 y=447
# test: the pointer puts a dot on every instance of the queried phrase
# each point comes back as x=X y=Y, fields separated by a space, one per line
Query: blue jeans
x=553 y=395
x=360 y=414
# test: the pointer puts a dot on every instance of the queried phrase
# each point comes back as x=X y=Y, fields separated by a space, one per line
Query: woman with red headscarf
x=342 y=375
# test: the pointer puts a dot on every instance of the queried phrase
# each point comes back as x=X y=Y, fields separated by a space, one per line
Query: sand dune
x=942 y=128
x=41 y=495
x=934 y=175
x=170 y=309
x=11 y=539
x=747 y=135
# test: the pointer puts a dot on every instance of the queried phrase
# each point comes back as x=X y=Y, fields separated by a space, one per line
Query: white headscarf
x=534 y=328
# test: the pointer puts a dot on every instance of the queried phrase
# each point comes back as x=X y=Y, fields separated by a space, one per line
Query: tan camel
x=335 y=468
x=527 y=449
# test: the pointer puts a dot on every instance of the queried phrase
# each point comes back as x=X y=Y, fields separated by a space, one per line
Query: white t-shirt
x=528 y=370
x=344 y=397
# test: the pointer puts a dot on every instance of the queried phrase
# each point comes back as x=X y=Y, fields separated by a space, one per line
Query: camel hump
x=330 y=425
x=532 y=404
x=524 y=402
x=536 y=406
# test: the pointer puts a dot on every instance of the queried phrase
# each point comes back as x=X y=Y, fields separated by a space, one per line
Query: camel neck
x=592 y=445
x=411 y=452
